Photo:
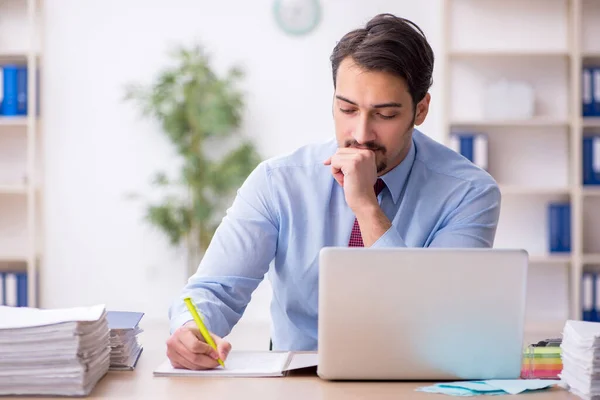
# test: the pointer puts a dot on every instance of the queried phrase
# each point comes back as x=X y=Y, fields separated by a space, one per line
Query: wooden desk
x=141 y=384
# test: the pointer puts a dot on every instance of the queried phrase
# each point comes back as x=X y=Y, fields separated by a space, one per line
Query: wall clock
x=297 y=17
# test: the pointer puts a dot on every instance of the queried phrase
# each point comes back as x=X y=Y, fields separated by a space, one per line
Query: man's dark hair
x=389 y=44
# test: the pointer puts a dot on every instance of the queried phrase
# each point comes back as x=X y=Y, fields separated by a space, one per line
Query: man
x=330 y=195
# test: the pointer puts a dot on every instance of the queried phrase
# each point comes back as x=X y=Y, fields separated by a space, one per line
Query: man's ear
x=422 y=109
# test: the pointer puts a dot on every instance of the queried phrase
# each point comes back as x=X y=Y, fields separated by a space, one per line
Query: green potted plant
x=200 y=113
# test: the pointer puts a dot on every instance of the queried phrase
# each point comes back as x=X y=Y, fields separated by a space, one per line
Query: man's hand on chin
x=356 y=171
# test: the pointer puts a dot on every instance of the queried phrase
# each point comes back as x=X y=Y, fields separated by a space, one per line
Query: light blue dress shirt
x=290 y=207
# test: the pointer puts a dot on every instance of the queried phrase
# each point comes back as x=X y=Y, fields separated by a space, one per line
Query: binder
x=472 y=146
x=14 y=90
x=13 y=289
x=588 y=301
x=587 y=89
x=2 y=289
x=591 y=160
x=596 y=293
x=565 y=227
x=596 y=91
x=21 y=289
x=10 y=280
x=559 y=227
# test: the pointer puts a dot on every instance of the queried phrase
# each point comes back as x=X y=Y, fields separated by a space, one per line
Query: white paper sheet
x=23 y=317
x=303 y=360
x=238 y=364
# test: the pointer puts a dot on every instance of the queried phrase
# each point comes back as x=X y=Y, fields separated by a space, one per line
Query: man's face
x=374 y=110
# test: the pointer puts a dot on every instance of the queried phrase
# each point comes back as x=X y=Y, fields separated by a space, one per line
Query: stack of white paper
x=125 y=349
x=61 y=352
x=580 y=352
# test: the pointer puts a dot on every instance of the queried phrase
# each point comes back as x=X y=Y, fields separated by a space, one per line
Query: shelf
x=13 y=121
x=13 y=189
x=550 y=259
x=14 y=57
x=592 y=54
x=542 y=122
x=591 y=190
x=13 y=264
x=507 y=53
x=528 y=190
x=591 y=259
x=591 y=122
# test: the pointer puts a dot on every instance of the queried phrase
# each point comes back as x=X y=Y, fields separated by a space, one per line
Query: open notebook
x=248 y=364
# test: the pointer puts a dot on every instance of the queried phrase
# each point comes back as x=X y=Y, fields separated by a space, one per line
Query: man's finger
x=191 y=342
x=198 y=361
x=223 y=347
x=177 y=360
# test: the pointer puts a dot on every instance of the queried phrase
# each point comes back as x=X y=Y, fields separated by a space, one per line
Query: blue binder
x=472 y=146
x=591 y=160
x=559 y=227
x=596 y=91
x=13 y=289
x=587 y=92
x=3 y=286
x=21 y=289
x=14 y=96
x=588 y=296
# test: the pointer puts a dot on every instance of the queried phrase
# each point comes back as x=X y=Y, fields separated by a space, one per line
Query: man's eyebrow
x=383 y=105
x=342 y=98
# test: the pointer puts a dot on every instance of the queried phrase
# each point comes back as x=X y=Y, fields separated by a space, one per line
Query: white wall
x=96 y=148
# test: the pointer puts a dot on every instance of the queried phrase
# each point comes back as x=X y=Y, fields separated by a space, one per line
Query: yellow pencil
x=205 y=334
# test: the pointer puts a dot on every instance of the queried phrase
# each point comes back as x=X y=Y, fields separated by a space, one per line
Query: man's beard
x=373 y=146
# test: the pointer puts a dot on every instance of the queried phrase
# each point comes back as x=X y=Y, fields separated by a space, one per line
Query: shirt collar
x=397 y=177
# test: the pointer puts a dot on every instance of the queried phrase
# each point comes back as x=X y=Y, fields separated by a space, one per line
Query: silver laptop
x=421 y=314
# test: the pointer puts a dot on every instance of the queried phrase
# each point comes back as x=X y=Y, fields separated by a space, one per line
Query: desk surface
x=141 y=384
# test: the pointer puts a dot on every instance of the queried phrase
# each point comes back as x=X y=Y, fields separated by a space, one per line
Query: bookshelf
x=20 y=232
x=536 y=160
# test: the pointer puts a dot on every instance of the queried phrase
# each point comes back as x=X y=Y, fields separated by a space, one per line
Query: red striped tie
x=355 y=235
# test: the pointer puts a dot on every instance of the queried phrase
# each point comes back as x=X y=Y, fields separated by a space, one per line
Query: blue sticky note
x=489 y=387
x=516 y=386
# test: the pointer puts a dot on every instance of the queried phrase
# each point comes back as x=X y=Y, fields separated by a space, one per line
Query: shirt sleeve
x=471 y=224
x=236 y=260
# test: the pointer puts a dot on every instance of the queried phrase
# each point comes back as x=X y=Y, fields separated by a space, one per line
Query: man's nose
x=363 y=132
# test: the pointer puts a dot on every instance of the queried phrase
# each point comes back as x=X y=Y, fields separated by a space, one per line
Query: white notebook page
x=238 y=364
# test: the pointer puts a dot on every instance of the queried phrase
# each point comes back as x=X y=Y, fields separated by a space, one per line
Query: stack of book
x=125 y=349
x=581 y=358
x=61 y=352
